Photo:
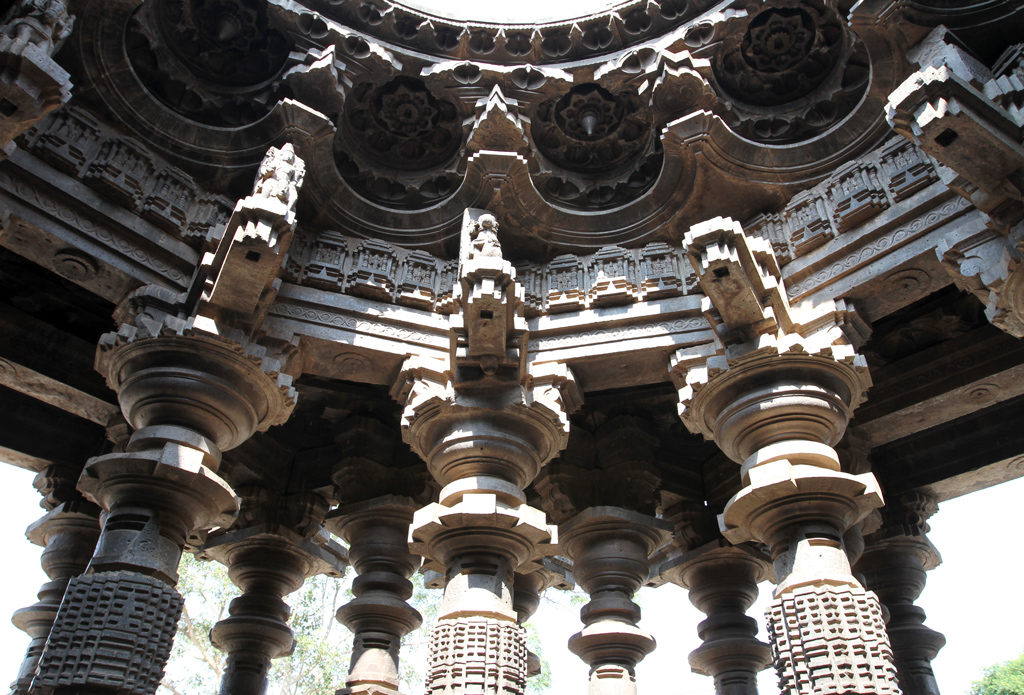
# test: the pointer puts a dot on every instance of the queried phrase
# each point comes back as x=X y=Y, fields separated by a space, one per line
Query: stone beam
x=946 y=407
x=959 y=456
x=34 y=434
x=55 y=393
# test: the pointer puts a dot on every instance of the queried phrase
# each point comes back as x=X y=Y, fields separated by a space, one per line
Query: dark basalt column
x=895 y=560
x=377 y=531
x=189 y=398
x=67 y=533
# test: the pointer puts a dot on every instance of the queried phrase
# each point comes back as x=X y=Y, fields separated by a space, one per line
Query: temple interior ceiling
x=638 y=115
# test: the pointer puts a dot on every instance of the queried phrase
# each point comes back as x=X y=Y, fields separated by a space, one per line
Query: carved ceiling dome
x=589 y=129
x=795 y=55
x=226 y=41
x=402 y=125
x=210 y=60
x=785 y=53
x=394 y=143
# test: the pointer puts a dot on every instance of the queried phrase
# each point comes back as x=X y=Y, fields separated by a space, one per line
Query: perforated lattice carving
x=477 y=655
x=830 y=640
x=113 y=630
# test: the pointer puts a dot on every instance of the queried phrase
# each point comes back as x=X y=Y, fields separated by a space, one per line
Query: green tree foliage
x=323 y=646
x=1006 y=678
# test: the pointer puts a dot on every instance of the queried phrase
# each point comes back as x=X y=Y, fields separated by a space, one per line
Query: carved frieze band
x=613 y=275
x=124 y=171
x=376 y=270
x=853 y=195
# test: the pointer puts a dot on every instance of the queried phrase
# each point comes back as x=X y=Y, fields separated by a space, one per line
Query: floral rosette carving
x=797 y=54
x=395 y=142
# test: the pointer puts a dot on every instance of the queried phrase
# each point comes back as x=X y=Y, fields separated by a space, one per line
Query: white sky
x=973 y=597
x=521 y=11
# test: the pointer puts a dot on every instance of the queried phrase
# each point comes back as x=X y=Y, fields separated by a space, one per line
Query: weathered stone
x=500 y=221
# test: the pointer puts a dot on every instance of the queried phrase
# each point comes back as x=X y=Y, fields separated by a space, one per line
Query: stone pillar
x=275 y=545
x=377 y=532
x=485 y=421
x=722 y=580
x=894 y=563
x=610 y=548
x=67 y=532
x=479 y=534
x=775 y=392
x=190 y=395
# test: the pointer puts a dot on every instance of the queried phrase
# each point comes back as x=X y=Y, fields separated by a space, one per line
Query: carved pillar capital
x=505 y=434
x=168 y=368
x=775 y=392
x=611 y=549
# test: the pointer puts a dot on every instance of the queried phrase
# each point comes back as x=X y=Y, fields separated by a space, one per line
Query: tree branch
x=201 y=644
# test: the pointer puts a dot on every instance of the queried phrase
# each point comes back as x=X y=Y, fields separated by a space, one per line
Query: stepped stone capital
x=519 y=533
x=508 y=433
x=165 y=365
x=798 y=364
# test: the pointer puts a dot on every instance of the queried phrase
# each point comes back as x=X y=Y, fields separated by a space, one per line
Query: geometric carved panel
x=113 y=630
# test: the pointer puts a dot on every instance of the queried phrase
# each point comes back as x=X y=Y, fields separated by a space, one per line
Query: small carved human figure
x=43 y=23
x=484 y=238
x=280 y=176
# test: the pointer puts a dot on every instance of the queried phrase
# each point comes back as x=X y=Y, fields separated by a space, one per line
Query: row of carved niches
x=395 y=142
x=788 y=71
x=125 y=171
x=609 y=30
x=613 y=276
x=854 y=194
x=214 y=61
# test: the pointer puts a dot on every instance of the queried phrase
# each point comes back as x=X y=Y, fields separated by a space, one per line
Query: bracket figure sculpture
x=489 y=335
x=775 y=391
x=239 y=280
x=31 y=83
x=485 y=422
